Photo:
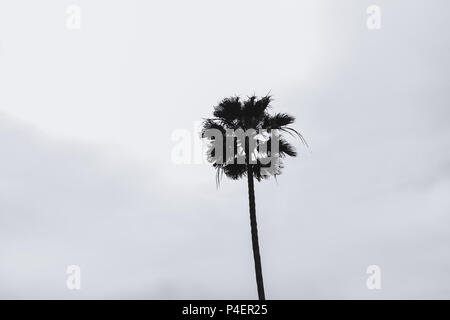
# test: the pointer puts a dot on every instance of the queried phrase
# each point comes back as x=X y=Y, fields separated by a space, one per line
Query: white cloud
x=372 y=190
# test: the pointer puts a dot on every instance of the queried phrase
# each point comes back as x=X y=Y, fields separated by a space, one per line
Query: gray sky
x=86 y=177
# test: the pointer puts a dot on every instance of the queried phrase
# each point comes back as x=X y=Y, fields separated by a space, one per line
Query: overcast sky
x=86 y=175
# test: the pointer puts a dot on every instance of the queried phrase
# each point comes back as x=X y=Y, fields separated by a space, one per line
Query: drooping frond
x=279 y=120
x=235 y=171
x=286 y=149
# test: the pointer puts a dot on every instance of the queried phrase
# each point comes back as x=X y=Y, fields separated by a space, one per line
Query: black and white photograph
x=210 y=150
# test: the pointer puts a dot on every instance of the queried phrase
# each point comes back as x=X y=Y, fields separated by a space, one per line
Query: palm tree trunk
x=254 y=230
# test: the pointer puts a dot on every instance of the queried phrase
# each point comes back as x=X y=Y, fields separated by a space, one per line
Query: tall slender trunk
x=254 y=229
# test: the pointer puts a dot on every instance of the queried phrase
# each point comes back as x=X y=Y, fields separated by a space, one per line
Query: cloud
x=373 y=188
x=65 y=203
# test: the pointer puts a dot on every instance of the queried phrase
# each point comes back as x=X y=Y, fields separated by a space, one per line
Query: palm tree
x=257 y=154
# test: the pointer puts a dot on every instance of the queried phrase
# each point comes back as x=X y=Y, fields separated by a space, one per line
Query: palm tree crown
x=232 y=114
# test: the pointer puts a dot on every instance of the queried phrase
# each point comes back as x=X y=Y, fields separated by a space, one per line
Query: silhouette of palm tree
x=251 y=154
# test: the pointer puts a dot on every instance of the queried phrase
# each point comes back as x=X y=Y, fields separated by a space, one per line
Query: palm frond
x=229 y=109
